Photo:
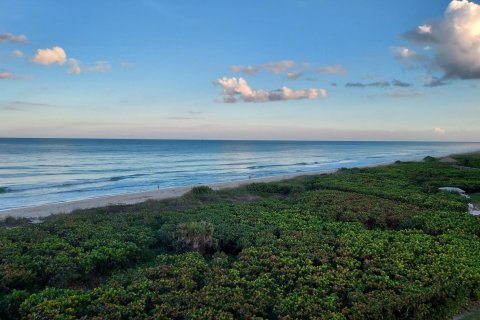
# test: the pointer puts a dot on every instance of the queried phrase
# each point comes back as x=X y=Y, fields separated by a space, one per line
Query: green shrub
x=430 y=159
x=372 y=243
x=196 y=236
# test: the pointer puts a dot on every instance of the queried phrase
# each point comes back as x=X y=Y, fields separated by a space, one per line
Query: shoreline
x=45 y=210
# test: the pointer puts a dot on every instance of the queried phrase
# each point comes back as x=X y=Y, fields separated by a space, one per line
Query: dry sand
x=138 y=197
x=132 y=198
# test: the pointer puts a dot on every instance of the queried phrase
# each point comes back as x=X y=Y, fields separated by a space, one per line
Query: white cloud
x=425 y=29
x=50 y=56
x=74 y=66
x=294 y=75
x=7 y=76
x=8 y=37
x=278 y=67
x=335 y=69
x=439 y=131
x=455 y=39
x=403 y=52
x=244 y=69
x=18 y=54
x=238 y=89
x=99 y=66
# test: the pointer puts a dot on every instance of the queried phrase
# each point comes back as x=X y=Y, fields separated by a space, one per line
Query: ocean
x=41 y=171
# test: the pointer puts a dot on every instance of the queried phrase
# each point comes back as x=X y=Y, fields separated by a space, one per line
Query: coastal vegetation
x=372 y=243
x=469 y=160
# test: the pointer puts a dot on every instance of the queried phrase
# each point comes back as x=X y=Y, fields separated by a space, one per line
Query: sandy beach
x=132 y=198
x=165 y=193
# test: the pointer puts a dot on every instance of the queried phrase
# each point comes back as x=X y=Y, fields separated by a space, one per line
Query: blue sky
x=359 y=70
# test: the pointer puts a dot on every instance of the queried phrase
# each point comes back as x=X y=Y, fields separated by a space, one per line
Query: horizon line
x=257 y=140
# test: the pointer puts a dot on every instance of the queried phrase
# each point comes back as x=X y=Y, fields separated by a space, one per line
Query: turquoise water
x=39 y=171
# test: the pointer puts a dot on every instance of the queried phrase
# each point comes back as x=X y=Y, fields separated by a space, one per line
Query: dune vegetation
x=373 y=243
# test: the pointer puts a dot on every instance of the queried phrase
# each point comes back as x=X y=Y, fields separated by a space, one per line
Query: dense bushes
x=378 y=243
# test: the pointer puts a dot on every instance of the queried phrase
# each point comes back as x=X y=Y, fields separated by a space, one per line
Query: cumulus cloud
x=278 y=67
x=55 y=55
x=238 y=90
x=8 y=37
x=454 y=39
x=439 y=131
x=294 y=75
x=244 y=69
x=18 y=54
x=335 y=69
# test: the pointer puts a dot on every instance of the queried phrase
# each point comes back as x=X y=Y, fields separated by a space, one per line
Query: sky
x=270 y=69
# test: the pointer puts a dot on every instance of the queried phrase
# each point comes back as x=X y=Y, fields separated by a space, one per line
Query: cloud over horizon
x=235 y=90
x=379 y=84
x=8 y=37
x=455 y=39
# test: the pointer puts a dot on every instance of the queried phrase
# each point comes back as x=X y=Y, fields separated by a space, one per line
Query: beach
x=45 y=210
x=43 y=176
x=135 y=197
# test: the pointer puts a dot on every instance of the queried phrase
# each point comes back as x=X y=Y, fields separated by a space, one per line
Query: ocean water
x=40 y=171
